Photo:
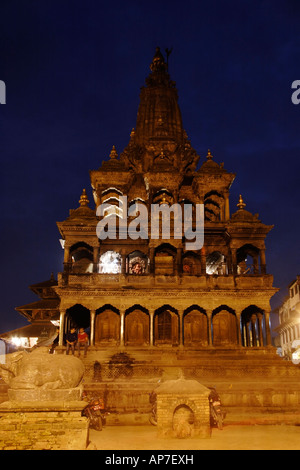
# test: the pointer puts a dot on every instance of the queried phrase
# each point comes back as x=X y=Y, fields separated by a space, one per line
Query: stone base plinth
x=39 y=394
x=48 y=425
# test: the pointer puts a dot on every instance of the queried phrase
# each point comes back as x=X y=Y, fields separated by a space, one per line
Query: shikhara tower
x=152 y=307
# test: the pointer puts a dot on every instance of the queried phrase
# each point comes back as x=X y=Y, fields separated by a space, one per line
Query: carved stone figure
x=40 y=370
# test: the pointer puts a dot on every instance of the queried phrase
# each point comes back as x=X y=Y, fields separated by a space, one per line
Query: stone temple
x=154 y=307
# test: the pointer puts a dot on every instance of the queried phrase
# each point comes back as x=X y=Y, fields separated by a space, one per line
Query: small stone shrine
x=183 y=409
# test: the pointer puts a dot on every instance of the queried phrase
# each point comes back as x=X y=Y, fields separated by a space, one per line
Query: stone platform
x=255 y=378
x=52 y=423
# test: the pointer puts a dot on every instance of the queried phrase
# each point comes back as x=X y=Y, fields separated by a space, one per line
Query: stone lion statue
x=40 y=370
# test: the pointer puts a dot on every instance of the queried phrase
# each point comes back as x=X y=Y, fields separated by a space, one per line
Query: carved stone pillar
x=209 y=327
x=61 y=327
x=180 y=315
x=253 y=329
x=152 y=256
x=263 y=266
x=260 y=330
x=268 y=331
x=92 y=321
x=203 y=261
x=151 y=319
x=234 y=261
x=96 y=251
x=238 y=326
x=226 y=205
x=122 y=329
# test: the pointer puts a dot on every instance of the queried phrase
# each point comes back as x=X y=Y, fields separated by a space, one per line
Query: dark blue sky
x=73 y=70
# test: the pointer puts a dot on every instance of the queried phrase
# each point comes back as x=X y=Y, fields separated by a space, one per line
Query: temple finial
x=84 y=201
x=113 y=154
x=209 y=155
x=241 y=205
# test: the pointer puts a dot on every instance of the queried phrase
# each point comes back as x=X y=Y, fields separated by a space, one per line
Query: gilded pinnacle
x=83 y=201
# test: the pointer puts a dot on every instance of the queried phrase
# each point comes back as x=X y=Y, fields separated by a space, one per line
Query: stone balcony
x=205 y=282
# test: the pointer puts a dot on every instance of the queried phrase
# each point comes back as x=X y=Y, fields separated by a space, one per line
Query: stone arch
x=195 y=326
x=248 y=259
x=224 y=326
x=183 y=421
x=191 y=263
x=213 y=203
x=165 y=259
x=81 y=257
x=137 y=263
x=77 y=317
x=166 y=326
x=216 y=263
x=110 y=262
x=137 y=326
x=253 y=326
x=107 y=325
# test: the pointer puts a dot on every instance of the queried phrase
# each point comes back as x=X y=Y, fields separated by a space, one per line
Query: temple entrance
x=224 y=327
x=77 y=316
x=107 y=326
x=166 y=326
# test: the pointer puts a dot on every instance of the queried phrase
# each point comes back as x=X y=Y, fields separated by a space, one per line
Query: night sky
x=73 y=71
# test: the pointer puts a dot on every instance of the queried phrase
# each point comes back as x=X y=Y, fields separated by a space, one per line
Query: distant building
x=43 y=316
x=289 y=320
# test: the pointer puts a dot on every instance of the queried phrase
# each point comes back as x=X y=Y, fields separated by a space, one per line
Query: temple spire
x=84 y=200
x=241 y=205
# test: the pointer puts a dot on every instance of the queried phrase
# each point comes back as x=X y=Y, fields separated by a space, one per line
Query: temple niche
x=151 y=303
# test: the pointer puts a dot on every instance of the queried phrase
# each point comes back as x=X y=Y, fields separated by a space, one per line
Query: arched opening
x=247 y=260
x=137 y=263
x=166 y=326
x=107 y=326
x=213 y=203
x=183 y=421
x=163 y=196
x=195 y=327
x=77 y=317
x=113 y=198
x=137 y=326
x=82 y=258
x=224 y=327
x=110 y=262
x=191 y=264
x=253 y=327
x=165 y=256
x=216 y=263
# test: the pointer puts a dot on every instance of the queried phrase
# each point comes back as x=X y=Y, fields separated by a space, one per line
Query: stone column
x=209 y=325
x=96 y=251
x=92 y=321
x=61 y=326
x=260 y=331
x=122 y=325
x=178 y=267
x=67 y=262
x=268 y=331
x=226 y=208
x=263 y=266
x=253 y=329
x=203 y=261
x=151 y=319
x=180 y=315
x=234 y=261
x=123 y=267
x=238 y=325
x=151 y=255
